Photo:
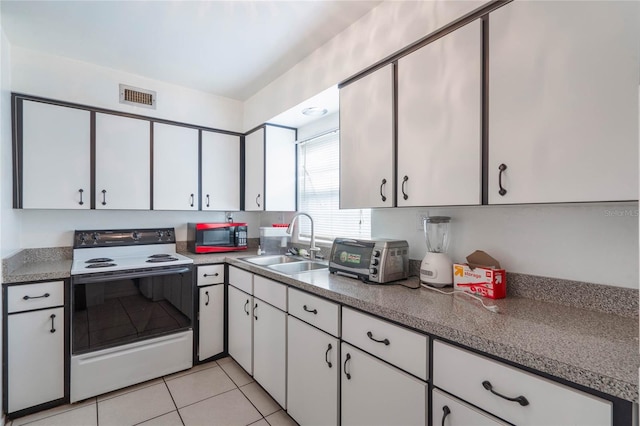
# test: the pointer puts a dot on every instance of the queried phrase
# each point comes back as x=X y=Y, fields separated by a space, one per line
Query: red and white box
x=481 y=275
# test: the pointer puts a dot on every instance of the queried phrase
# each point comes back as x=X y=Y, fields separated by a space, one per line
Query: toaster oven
x=376 y=261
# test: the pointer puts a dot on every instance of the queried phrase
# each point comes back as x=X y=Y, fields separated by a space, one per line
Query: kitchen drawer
x=397 y=345
x=28 y=297
x=210 y=274
x=270 y=291
x=458 y=413
x=241 y=279
x=463 y=373
x=315 y=311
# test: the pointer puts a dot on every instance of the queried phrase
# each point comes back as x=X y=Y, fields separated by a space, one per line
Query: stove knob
x=135 y=235
x=160 y=234
x=373 y=271
x=95 y=237
x=168 y=233
x=83 y=238
x=375 y=262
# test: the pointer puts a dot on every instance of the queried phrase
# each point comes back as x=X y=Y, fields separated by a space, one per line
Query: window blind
x=318 y=192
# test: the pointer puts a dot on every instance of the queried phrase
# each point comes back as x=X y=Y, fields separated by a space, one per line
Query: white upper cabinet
x=175 y=167
x=563 y=101
x=439 y=121
x=220 y=171
x=123 y=163
x=366 y=141
x=254 y=171
x=280 y=169
x=56 y=160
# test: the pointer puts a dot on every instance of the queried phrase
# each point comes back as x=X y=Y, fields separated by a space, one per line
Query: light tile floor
x=216 y=393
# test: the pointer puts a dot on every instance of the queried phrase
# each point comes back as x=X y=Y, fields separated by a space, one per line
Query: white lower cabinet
x=376 y=393
x=450 y=411
x=210 y=321
x=240 y=307
x=512 y=394
x=313 y=372
x=270 y=350
x=35 y=358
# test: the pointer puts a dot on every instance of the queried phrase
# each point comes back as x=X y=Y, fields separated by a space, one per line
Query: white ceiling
x=228 y=48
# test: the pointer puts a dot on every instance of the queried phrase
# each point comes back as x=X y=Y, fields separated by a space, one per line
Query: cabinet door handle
x=211 y=275
x=382 y=184
x=326 y=356
x=519 y=399
x=502 y=168
x=81 y=191
x=404 y=181
x=207 y=200
x=445 y=412
x=192 y=200
x=104 y=197
x=258 y=200
x=344 y=366
x=385 y=341
x=313 y=311
x=207 y=302
x=36 y=297
x=53 y=328
x=245 y=307
x=255 y=308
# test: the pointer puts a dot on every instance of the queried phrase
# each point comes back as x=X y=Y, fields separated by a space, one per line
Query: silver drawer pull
x=36 y=297
x=385 y=341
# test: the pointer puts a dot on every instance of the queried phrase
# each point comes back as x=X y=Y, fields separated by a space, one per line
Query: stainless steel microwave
x=216 y=237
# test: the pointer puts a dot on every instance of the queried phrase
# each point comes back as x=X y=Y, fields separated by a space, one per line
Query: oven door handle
x=97 y=278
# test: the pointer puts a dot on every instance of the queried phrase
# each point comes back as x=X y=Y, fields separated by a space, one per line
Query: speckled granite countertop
x=590 y=348
x=594 y=349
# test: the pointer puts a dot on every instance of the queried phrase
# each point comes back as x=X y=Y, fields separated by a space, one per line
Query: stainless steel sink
x=272 y=260
x=298 y=267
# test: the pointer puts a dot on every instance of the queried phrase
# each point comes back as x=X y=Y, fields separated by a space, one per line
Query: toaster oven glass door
x=356 y=256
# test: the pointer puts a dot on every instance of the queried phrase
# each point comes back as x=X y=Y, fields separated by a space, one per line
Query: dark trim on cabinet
x=151 y=165
x=264 y=169
x=280 y=126
x=394 y=130
x=295 y=164
x=92 y=160
x=5 y=352
x=484 y=141
x=200 y=169
x=16 y=134
x=242 y=173
x=441 y=32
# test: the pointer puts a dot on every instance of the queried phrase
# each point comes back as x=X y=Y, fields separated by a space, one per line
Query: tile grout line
x=173 y=400
x=243 y=394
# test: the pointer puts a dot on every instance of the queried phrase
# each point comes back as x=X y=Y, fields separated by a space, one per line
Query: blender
x=436 y=268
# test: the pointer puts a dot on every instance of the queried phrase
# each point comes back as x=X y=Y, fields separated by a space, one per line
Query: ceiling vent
x=138 y=97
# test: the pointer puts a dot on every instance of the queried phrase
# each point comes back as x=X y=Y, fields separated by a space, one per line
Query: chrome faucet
x=312 y=246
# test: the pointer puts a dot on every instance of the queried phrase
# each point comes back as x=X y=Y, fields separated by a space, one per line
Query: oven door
x=113 y=309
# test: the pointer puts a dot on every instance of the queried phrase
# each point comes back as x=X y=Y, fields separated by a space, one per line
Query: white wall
x=596 y=243
x=69 y=80
x=380 y=33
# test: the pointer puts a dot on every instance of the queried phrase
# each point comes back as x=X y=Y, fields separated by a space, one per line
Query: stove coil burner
x=158 y=258
x=99 y=260
x=101 y=265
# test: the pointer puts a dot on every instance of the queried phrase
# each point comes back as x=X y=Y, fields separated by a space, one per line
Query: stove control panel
x=123 y=237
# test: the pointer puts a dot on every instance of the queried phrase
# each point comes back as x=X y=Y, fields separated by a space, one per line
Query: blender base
x=436 y=270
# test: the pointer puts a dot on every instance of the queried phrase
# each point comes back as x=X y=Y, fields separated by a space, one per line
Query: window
x=318 y=192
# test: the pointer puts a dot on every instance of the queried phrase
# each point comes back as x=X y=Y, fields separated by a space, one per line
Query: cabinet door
x=269 y=349
x=254 y=171
x=35 y=357
x=220 y=165
x=175 y=167
x=240 y=307
x=211 y=321
x=375 y=393
x=312 y=374
x=56 y=160
x=366 y=142
x=123 y=164
x=439 y=118
x=563 y=101
x=449 y=411
x=280 y=169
